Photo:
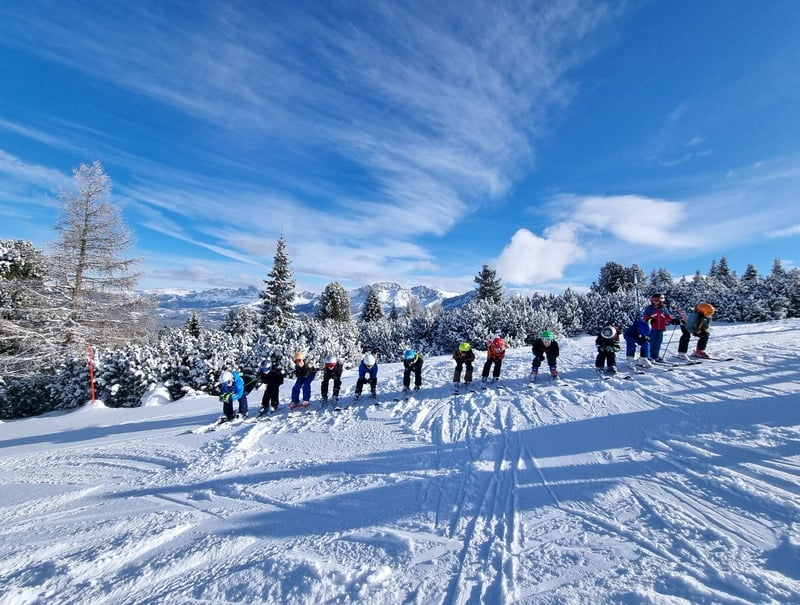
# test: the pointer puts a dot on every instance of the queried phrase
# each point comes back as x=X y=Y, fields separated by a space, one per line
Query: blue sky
x=411 y=141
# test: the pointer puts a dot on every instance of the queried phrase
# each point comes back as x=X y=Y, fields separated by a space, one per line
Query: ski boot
x=700 y=354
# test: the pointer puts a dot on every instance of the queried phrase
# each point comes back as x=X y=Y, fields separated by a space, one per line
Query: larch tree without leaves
x=93 y=283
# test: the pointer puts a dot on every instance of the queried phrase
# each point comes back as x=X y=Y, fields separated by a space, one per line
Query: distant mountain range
x=173 y=308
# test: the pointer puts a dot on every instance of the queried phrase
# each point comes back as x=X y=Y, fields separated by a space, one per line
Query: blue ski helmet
x=410 y=355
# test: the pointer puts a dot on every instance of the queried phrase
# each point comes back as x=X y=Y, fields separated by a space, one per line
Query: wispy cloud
x=438 y=108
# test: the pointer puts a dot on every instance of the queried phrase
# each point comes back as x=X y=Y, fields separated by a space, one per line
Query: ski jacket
x=365 y=373
x=638 y=331
x=272 y=377
x=658 y=316
x=491 y=354
x=698 y=324
x=539 y=350
x=464 y=356
x=414 y=364
x=236 y=389
x=305 y=371
x=334 y=372
x=610 y=345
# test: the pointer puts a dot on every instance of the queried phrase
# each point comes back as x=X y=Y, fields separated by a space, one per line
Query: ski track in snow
x=672 y=487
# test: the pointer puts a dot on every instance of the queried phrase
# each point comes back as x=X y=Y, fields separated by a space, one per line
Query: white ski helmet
x=226 y=377
x=331 y=360
x=369 y=360
x=608 y=332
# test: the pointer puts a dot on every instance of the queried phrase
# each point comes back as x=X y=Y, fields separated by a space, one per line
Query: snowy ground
x=674 y=487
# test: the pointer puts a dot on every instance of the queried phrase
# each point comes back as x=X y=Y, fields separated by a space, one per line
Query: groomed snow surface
x=673 y=487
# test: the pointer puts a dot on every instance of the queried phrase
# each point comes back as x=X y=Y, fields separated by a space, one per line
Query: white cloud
x=530 y=259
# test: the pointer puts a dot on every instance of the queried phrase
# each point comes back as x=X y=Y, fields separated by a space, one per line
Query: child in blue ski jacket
x=367 y=374
x=231 y=388
x=638 y=334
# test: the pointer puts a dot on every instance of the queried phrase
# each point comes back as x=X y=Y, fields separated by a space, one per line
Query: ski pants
x=656 y=338
x=337 y=385
x=417 y=377
x=686 y=336
x=270 y=398
x=373 y=385
x=537 y=361
x=630 y=347
x=227 y=407
x=498 y=364
x=605 y=358
x=303 y=384
x=467 y=374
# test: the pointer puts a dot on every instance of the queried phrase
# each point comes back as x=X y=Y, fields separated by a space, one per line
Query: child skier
x=304 y=374
x=332 y=372
x=698 y=323
x=542 y=347
x=412 y=362
x=367 y=374
x=231 y=388
x=464 y=356
x=659 y=318
x=607 y=346
x=638 y=334
x=494 y=356
x=271 y=376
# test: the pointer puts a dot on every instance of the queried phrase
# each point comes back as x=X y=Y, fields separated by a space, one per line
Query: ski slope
x=673 y=487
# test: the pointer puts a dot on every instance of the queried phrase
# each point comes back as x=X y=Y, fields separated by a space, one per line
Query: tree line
x=83 y=291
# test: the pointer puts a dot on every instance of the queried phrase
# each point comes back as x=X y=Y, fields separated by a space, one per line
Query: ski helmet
x=498 y=344
x=369 y=360
x=331 y=361
x=299 y=357
x=657 y=298
x=706 y=309
x=608 y=332
x=265 y=364
x=547 y=335
x=226 y=378
x=464 y=347
x=410 y=355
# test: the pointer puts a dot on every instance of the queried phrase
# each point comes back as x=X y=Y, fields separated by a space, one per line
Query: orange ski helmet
x=706 y=309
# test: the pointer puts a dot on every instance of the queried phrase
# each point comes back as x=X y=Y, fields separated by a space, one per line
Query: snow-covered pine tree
x=277 y=306
x=334 y=303
x=372 y=309
x=489 y=286
x=23 y=309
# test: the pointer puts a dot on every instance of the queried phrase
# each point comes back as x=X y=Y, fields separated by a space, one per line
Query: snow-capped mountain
x=212 y=306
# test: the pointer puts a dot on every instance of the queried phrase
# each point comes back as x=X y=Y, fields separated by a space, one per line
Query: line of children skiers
x=645 y=333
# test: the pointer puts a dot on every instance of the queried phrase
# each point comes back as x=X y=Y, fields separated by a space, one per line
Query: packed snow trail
x=672 y=487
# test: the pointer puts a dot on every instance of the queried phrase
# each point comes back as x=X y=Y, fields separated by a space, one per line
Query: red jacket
x=658 y=317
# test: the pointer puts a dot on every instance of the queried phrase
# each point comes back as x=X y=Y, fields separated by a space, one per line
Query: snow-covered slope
x=673 y=487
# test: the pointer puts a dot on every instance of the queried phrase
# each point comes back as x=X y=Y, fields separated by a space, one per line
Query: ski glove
x=675 y=321
x=226 y=397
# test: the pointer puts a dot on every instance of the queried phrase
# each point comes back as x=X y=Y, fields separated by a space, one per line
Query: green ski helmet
x=464 y=347
x=547 y=335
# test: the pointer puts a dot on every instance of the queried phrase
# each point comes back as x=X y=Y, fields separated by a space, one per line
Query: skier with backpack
x=698 y=323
